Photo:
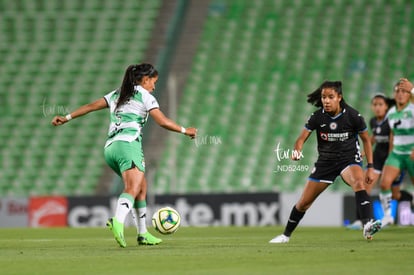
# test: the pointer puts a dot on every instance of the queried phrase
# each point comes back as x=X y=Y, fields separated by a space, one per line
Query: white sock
x=385 y=198
x=135 y=218
x=142 y=214
x=123 y=206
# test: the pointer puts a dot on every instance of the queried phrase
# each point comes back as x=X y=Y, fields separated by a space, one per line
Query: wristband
x=182 y=130
x=68 y=117
x=370 y=165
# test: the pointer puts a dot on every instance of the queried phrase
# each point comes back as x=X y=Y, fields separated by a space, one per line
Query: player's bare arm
x=299 y=143
x=366 y=141
x=391 y=141
x=83 y=110
x=168 y=124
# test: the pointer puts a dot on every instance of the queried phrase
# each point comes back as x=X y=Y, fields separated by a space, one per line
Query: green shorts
x=402 y=162
x=123 y=155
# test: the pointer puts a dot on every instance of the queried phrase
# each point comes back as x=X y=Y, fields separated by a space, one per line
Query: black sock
x=358 y=215
x=364 y=206
x=294 y=219
x=405 y=196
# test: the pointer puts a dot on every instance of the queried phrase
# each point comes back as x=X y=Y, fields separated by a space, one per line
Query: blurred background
x=238 y=70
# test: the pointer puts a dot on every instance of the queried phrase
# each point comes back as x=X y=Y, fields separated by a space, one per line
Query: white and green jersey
x=402 y=126
x=127 y=121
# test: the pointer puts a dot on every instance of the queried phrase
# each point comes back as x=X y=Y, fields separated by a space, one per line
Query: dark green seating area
x=256 y=62
x=56 y=56
x=246 y=91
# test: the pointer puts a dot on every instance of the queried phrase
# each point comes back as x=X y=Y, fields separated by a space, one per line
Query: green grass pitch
x=207 y=250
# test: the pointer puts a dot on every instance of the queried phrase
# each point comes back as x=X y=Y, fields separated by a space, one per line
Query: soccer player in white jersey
x=129 y=108
x=401 y=121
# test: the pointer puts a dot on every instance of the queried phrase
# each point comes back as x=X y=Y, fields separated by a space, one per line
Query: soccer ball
x=166 y=220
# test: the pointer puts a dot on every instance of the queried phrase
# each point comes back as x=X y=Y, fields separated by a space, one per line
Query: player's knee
x=132 y=188
x=358 y=185
x=385 y=185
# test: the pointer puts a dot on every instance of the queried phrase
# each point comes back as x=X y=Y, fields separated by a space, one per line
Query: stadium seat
x=255 y=64
x=63 y=56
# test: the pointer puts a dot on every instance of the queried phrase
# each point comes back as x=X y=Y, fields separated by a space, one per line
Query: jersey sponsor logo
x=382 y=139
x=334 y=136
x=396 y=123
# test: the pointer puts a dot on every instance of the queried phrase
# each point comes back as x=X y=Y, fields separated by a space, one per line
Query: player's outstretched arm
x=83 y=110
x=168 y=124
x=299 y=143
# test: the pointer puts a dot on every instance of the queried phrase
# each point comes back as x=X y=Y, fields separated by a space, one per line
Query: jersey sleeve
x=311 y=124
x=150 y=102
x=372 y=124
x=108 y=97
x=361 y=126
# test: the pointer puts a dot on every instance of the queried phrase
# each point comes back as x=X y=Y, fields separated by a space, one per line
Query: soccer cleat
x=387 y=220
x=147 y=239
x=117 y=229
x=356 y=225
x=370 y=228
x=280 y=239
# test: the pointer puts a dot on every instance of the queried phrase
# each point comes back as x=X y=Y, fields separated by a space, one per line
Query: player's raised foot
x=117 y=229
x=280 y=239
x=387 y=220
x=148 y=239
x=356 y=225
x=370 y=228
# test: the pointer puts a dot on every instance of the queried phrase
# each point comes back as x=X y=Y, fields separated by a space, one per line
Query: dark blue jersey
x=337 y=136
x=381 y=132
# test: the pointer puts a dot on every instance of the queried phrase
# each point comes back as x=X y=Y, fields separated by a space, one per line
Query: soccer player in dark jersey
x=380 y=140
x=337 y=127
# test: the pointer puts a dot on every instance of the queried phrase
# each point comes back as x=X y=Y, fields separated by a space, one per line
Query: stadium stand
x=246 y=92
x=56 y=56
x=247 y=89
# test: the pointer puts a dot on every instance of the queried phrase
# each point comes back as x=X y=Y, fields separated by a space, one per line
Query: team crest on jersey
x=378 y=130
x=333 y=125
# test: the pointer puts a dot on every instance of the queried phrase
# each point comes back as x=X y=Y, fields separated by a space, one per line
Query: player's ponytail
x=133 y=76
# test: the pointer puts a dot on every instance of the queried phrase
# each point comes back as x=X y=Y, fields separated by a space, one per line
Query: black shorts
x=326 y=171
x=379 y=160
